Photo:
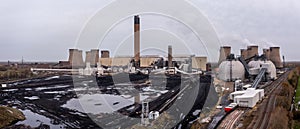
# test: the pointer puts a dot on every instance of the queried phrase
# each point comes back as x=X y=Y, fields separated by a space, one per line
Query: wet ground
x=66 y=102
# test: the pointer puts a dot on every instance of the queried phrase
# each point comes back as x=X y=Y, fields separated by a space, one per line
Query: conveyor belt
x=259 y=77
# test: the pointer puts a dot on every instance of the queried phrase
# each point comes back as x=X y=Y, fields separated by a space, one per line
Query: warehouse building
x=247 y=98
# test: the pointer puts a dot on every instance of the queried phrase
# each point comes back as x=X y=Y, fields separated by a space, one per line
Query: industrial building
x=248 y=67
x=247 y=98
x=147 y=61
x=249 y=64
x=93 y=59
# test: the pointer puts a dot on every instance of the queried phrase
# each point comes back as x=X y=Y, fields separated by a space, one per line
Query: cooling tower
x=252 y=51
x=104 y=54
x=88 y=57
x=244 y=53
x=92 y=57
x=266 y=52
x=224 y=52
x=137 y=40
x=75 y=58
x=170 y=58
x=275 y=56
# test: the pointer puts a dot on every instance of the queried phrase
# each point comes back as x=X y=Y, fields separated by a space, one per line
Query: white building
x=247 y=98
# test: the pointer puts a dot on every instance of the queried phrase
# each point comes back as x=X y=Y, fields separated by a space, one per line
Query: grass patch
x=9 y=116
x=297 y=96
x=296 y=124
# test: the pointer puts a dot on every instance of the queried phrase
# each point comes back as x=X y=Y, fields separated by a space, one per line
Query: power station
x=93 y=58
x=243 y=77
x=248 y=71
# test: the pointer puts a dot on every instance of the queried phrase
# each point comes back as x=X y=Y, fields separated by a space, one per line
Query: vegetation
x=164 y=121
x=9 y=116
x=293 y=81
x=282 y=117
x=297 y=96
x=3 y=68
x=12 y=73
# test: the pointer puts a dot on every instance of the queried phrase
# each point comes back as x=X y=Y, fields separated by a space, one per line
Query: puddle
x=50 y=78
x=32 y=98
x=35 y=120
x=98 y=103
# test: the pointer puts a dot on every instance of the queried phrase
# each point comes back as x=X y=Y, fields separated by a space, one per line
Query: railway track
x=230 y=121
x=268 y=104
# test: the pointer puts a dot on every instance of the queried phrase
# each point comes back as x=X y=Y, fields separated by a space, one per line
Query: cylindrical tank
x=231 y=71
x=271 y=69
x=255 y=66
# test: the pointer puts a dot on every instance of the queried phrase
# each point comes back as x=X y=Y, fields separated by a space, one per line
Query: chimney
x=266 y=52
x=275 y=56
x=244 y=53
x=137 y=40
x=252 y=51
x=224 y=53
x=170 y=57
x=104 y=54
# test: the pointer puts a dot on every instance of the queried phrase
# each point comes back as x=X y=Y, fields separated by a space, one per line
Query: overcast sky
x=45 y=30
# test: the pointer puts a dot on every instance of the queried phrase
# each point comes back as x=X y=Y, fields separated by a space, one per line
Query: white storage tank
x=231 y=71
x=271 y=69
x=255 y=66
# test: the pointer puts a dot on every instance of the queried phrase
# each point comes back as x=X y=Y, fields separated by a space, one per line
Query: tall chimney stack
x=252 y=51
x=244 y=53
x=266 y=52
x=224 y=53
x=137 y=40
x=170 y=57
x=275 y=56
